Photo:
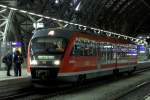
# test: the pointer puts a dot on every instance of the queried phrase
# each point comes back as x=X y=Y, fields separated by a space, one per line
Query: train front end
x=45 y=53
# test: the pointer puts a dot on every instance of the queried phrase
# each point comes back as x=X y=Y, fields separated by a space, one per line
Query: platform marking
x=139 y=85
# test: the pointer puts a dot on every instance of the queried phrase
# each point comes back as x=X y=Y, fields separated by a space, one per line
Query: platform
x=3 y=74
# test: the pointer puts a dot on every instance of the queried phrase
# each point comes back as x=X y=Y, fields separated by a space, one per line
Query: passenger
x=59 y=47
x=8 y=61
x=18 y=60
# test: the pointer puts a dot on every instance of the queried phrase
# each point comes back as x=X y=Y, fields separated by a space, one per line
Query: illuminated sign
x=141 y=49
x=17 y=44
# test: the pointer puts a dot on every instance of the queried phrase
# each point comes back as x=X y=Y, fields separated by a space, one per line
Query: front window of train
x=47 y=49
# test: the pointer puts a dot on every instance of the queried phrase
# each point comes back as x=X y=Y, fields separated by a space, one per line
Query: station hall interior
x=126 y=20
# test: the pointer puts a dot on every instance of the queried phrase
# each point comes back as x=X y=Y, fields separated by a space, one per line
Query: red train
x=74 y=55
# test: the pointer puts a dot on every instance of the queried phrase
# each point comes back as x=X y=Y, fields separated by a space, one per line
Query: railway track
x=15 y=94
x=139 y=92
x=135 y=89
x=28 y=92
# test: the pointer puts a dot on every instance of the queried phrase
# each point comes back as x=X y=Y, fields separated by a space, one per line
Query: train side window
x=123 y=55
x=101 y=50
x=103 y=53
x=93 y=48
x=114 y=53
x=86 y=48
x=97 y=47
x=78 y=48
x=119 y=56
x=108 y=53
x=81 y=48
x=111 y=52
x=75 y=50
x=90 y=48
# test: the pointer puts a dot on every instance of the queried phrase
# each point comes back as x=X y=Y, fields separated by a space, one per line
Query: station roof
x=128 y=17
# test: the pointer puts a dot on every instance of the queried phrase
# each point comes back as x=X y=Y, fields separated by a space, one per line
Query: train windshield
x=47 y=45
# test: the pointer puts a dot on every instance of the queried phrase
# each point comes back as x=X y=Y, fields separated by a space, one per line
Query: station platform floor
x=3 y=74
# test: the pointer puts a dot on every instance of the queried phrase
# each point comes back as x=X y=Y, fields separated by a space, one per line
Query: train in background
x=74 y=55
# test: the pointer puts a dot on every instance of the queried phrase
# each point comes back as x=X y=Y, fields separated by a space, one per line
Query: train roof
x=57 y=32
x=63 y=32
x=66 y=33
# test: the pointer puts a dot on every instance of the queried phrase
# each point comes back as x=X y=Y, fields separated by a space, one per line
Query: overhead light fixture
x=65 y=25
x=3 y=6
x=84 y=27
x=3 y=10
x=38 y=25
x=98 y=31
x=54 y=19
x=56 y=1
x=40 y=15
x=118 y=36
x=125 y=37
x=78 y=6
x=23 y=11
x=47 y=17
x=13 y=9
x=140 y=37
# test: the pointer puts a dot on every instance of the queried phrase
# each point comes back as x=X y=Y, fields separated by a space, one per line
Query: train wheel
x=116 y=73
x=131 y=71
x=81 y=78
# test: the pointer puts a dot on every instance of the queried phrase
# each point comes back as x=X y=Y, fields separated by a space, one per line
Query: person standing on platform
x=18 y=60
x=8 y=61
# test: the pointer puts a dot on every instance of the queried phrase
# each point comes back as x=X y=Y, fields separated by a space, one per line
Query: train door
x=107 y=55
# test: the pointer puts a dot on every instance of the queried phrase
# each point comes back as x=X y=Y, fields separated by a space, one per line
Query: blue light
x=17 y=44
x=141 y=48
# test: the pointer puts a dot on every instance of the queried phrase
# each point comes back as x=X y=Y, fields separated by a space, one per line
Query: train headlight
x=57 y=62
x=34 y=62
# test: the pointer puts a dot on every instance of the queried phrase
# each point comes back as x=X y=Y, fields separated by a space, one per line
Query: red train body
x=73 y=55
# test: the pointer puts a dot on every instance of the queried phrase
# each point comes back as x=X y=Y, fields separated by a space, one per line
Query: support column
x=5 y=19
